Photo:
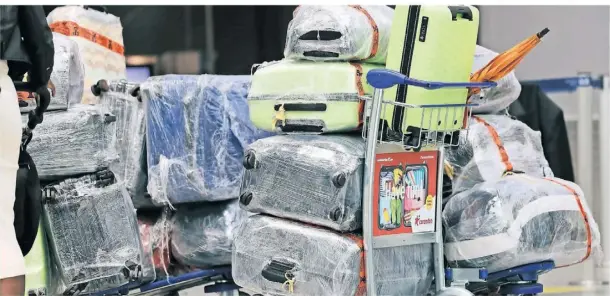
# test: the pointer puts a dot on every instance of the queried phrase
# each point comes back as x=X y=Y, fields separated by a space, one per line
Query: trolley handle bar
x=35 y=116
x=384 y=78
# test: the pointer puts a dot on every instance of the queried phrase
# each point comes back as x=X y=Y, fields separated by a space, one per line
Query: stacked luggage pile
x=306 y=183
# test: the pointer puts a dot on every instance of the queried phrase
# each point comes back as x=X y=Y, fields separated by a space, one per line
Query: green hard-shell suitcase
x=431 y=43
x=293 y=96
x=37 y=267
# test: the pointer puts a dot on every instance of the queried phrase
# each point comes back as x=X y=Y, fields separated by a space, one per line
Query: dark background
x=243 y=35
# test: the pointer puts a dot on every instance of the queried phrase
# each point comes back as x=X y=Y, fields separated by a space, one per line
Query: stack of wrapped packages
x=306 y=184
x=505 y=208
x=89 y=240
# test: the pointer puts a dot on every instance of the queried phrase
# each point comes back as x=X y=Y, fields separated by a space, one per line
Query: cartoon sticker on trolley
x=406 y=195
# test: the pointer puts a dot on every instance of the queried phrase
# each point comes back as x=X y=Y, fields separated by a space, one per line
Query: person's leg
x=12 y=264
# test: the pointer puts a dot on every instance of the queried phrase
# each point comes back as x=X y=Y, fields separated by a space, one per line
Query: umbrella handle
x=384 y=78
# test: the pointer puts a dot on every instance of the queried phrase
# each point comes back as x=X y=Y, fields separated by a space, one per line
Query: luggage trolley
x=520 y=280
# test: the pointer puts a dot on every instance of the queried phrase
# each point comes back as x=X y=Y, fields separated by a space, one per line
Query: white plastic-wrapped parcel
x=339 y=33
x=99 y=36
x=93 y=233
x=70 y=142
x=495 y=99
x=202 y=235
x=68 y=74
x=310 y=178
x=127 y=138
x=516 y=220
x=494 y=145
x=272 y=256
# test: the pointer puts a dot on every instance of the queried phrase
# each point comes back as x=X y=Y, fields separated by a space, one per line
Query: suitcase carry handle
x=465 y=11
x=320 y=107
x=35 y=116
x=278 y=272
x=384 y=78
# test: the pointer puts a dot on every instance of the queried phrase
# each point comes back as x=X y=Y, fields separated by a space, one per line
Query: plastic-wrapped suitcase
x=93 y=233
x=305 y=96
x=311 y=178
x=431 y=43
x=127 y=136
x=517 y=220
x=99 y=36
x=71 y=142
x=155 y=237
x=493 y=146
x=339 y=33
x=495 y=99
x=281 y=257
x=197 y=129
x=68 y=72
x=202 y=235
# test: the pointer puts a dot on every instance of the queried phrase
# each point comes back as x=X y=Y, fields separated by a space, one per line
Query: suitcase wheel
x=99 y=87
x=336 y=214
x=245 y=198
x=339 y=180
x=249 y=160
x=136 y=93
x=109 y=118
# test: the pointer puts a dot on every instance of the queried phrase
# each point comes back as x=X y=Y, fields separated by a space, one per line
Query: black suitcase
x=311 y=178
x=93 y=233
x=202 y=235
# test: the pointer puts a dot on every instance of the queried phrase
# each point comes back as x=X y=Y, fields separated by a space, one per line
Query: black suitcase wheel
x=99 y=87
x=245 y=198
x=339 y=180
x=336 y=214
x=249 y=160
x=136 y=93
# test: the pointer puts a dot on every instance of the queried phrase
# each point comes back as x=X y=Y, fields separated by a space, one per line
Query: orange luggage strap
x=361 y=290
x=69 y=28
x=496 y=138
x=581 y=208
x=375 y=45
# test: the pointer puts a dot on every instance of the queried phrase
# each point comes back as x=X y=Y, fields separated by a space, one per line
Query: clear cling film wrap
x=155 y=238
x=202 y=235
x=127 y=138
x=296 y=96
x=493 y=146
x=93 y=233
x=68 y=72
x=495 y=99
x=99 y=36
x=273 y=256
x=339 y=33
x=311 y=178
x=71 y=142
x=197 y=128
x=517 y=220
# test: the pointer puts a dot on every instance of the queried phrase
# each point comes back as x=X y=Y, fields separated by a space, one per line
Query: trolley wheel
x=455 y=291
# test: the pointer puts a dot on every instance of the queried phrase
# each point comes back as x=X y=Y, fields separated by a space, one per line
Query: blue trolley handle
x=383 y=78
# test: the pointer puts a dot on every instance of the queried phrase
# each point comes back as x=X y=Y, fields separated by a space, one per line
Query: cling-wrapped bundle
x=493 y=146
x=93 y=233
x=68 y=72
x=517 y=220
x=310 y=178
x=281 y=257
x=197 y=128
x=340 y=33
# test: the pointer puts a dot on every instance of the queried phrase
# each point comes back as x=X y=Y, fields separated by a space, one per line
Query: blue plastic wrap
x=197 y=130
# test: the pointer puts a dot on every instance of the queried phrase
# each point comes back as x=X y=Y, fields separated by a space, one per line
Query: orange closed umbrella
x=505 y=62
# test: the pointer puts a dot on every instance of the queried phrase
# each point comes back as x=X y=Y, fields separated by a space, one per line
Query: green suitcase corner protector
x=440 y=48
x=334 y=84
x=37 y=267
